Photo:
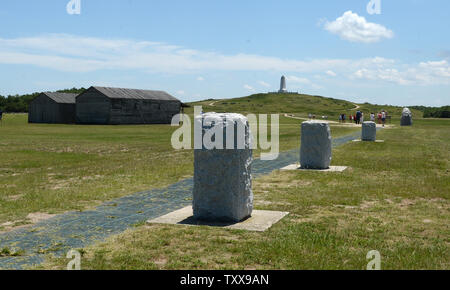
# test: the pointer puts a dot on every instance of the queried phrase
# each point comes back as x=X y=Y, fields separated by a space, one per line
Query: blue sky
x=202 y=49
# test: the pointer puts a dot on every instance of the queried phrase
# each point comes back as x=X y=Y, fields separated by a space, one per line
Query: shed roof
x=119 y=93
x=62 y=98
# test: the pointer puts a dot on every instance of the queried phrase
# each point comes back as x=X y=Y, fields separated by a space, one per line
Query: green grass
x=57 y=168
x=300 y=104
x=394 y=198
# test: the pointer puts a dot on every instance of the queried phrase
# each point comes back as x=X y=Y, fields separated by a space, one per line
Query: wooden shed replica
x=114 y=106
x=52 y=108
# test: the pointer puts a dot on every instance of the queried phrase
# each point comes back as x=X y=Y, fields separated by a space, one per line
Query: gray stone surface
x=369 y=131
x=222 y=177
x=406 y=117
x=260 y=220
x=283 y=85
x=295 y=167
x=315 y=150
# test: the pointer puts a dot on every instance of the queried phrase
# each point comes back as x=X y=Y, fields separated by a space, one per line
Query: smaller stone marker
x=406 y=117
x=222 y=177
x=315 y=150
x=369 y=131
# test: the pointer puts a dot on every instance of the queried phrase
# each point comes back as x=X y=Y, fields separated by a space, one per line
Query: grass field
x=394 y=199
x=49 y=169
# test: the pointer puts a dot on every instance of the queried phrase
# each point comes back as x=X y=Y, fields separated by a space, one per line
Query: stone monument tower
x=283 y=85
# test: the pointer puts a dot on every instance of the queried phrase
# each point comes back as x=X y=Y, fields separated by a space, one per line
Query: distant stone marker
x=315 y=150
x=222 y=177
x=406 y=117
x=369 y=131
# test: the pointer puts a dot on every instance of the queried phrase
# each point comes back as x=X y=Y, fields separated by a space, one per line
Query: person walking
x=372 y=117
x=383 y=117
x=358 y=117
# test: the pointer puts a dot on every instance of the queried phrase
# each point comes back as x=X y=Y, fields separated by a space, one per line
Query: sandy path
x=335 y=123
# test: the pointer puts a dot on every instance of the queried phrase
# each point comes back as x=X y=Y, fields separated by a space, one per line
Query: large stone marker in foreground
x=315 y=151
x=406 y=117
x=369 y=131
x=222 y=177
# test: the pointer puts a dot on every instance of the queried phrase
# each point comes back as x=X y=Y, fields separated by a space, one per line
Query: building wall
x=92 y=107
x=67 y=113
x=129 y=111
x=44 y=110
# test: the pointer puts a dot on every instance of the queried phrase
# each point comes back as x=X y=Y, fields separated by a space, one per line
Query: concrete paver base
x=376 y=141
x=331 y=169
x=260 y=220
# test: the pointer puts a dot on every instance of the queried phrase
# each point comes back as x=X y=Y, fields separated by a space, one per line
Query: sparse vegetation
x=299 y=104
x=394 y=198
x=6 y=252
x=58 y=168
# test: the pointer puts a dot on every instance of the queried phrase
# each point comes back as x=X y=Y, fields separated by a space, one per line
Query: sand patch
x=39 y=216
x=160 y=262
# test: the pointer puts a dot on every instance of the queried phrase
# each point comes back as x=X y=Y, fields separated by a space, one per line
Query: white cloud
x=297 y=80
x=331 y=73
x=83 y=54
x=424 y=73
x=352 y=27
x=249 y=88
x=437 y=68
x=181 y=93
x=390 y=75
x=71 y=53
x=264 y=84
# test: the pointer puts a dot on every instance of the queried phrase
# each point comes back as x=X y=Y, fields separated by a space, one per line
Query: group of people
x=358 y=117
x=313 y=117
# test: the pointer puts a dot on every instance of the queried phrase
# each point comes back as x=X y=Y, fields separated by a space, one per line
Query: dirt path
x=306 y=119
x=335 y=123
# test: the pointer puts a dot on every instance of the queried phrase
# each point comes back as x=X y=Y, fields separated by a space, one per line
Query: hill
x=298 y=104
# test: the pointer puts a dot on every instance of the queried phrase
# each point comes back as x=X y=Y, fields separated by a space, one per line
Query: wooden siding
x=92 y=108
x=44 y=110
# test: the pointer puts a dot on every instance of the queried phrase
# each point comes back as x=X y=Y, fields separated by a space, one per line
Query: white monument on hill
x=283 y=85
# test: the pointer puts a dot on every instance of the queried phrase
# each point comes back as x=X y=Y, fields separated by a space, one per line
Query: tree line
x=20 y=103
x=434 y=112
